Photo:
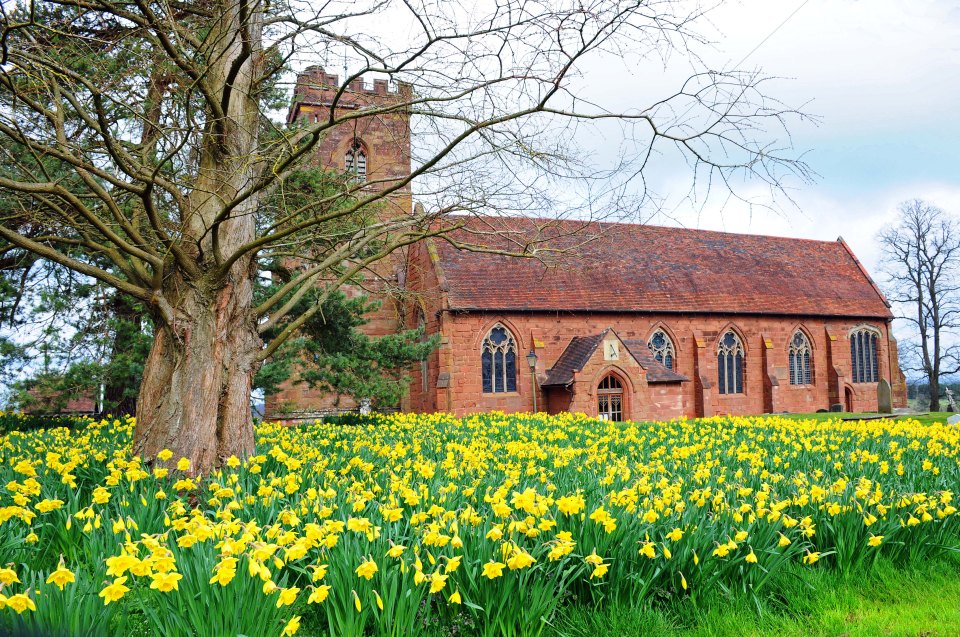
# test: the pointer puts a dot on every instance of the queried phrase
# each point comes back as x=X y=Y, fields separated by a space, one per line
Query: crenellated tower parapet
x=316 y=88
x=372 y=137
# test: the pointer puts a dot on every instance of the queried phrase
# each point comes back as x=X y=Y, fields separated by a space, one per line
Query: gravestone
x=950 y=402
x=884 y=402
x=954 y=420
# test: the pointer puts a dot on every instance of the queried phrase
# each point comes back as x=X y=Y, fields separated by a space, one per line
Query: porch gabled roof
x=581 y=348
x=578 y=352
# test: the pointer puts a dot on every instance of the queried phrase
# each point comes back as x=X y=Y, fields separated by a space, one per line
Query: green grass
x=926 y=419
x=922 y=601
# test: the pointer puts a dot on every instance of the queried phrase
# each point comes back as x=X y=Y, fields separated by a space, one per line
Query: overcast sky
x=884 y=78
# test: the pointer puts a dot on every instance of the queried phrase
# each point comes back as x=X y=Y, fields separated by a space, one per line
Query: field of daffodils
x=489 y=523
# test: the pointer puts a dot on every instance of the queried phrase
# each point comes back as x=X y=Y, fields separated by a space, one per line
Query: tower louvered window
x=730 y=364
x=863 y=356
x=355 y=161
x=662 y=348
x=498 y=357
x=799 y=358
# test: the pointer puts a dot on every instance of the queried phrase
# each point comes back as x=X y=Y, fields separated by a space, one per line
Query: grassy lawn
x=926 y=419
x=922 y=601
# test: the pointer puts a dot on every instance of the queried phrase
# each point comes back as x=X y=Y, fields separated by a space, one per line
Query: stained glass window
x=799 y=359
x=355 y=161
x=863 y=356
x=730 y=364
x=662 y=348
x=498 y=360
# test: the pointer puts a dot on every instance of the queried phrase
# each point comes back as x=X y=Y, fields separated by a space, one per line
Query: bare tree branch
x=922 y=266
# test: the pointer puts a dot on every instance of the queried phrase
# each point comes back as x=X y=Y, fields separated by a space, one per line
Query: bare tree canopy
x=921 y=260
x=141 y=147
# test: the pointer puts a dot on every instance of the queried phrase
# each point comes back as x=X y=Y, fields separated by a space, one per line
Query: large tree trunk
x=195 y=395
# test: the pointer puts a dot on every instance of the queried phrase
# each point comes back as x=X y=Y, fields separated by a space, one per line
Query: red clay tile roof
x=622 y=267
x=657 y=372
x=574 y=357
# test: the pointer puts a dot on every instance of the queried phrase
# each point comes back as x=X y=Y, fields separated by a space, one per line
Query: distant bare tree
x=144 y=135
x=921 y=259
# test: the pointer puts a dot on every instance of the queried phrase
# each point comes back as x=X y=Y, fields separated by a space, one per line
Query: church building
x=621 y=321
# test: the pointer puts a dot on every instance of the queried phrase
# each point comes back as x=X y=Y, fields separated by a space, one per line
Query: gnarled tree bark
x=195 y=394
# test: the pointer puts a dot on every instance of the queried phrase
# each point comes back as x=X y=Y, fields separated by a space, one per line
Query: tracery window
x=610 y=399
x=498 y=357
x=730 y=364
x=799 y=355
x=863 y=356
x=355 y=161
x=662 y=348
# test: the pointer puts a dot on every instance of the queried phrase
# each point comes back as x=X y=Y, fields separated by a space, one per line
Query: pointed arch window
x=610 y=399
x=730 y=364
x=662 y=348
x=863 y=356
x=498 y=359
x=799 y=358
x=355 y=161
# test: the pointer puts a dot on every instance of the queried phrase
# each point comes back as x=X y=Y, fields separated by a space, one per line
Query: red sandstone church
x=639 y=322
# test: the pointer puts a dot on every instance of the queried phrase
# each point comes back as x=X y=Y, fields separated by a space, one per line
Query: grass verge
x=925 y=419
x=920 y=601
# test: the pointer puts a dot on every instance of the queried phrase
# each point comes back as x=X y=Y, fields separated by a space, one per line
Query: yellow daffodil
x=114 y=591
x=20 y=602
x=8 y=576
x=287 y=596
x=292 y=626
x=61 y=577
x=319 y=594
x=166 y=582
x=367 y=569
x=493 y=570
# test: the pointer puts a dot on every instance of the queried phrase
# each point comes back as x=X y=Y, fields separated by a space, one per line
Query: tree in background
x=331 y=354
x=92 y=342
x=140 y=148
x=919 y=391
x=102 y=358
x=93 y=345
x=921 y=260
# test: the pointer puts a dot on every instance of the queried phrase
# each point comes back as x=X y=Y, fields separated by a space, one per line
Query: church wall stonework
x=765 y=340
